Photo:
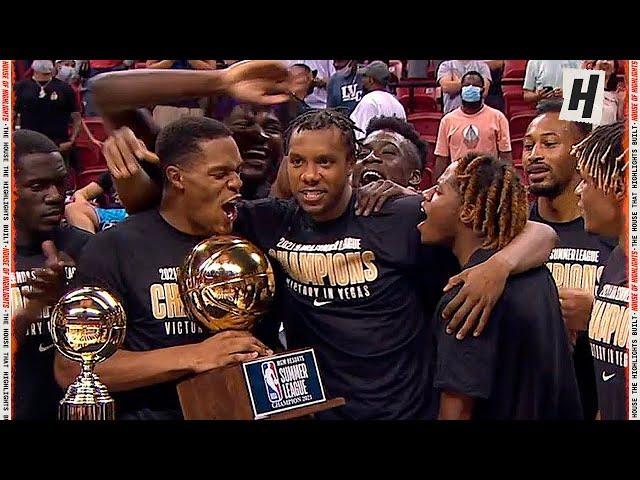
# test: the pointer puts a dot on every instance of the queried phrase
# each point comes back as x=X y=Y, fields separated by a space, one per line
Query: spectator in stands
x=164 y=114
x=615 y=95
x=449 y=78
x=417 y=68
x=495 y=98
x=472 y=127
x=543 y=78
x=91 y=215
x=302 y=86
x=66 y=70
x=323 y=69
x=48 y=105
x=345 y=87
x=377 y=101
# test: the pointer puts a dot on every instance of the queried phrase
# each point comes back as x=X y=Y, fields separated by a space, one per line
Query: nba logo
x=271 y=382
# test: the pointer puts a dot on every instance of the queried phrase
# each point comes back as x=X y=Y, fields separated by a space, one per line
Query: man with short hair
x=44 y=261
x=579 y=258
x=200 y=165
x=377 y=100
x=473 y=126
x=449 y=77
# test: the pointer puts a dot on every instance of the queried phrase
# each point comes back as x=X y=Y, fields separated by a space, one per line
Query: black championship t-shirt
x=520 y=367
x=578 y=262
x=50 y=114
x=360 y=291
x=138 y=260
x=36 y=394
x=609 y=337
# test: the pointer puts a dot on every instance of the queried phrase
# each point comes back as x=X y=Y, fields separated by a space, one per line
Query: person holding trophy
x=138 y=261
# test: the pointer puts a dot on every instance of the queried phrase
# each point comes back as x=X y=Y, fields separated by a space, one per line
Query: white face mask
x=65 y=73
x=42 y=66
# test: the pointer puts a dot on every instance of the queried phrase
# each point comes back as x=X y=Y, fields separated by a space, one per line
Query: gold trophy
x=88 y=325
x=227 y=283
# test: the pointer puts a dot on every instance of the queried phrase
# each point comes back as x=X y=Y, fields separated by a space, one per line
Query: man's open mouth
x=369 y=176
x=230 y=208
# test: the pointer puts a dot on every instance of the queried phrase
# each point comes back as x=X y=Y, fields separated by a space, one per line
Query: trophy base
x=223 y=394
x=87 y=399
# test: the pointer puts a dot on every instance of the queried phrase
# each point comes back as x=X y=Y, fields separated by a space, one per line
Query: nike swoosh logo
x=606 y=378
x=44 y=349
x=316 y=303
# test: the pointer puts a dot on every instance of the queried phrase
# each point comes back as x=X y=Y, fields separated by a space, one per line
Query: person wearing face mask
x=377 y=101
x=472 y=127
x=66 y=70
x=345 y=87
x=47 y=104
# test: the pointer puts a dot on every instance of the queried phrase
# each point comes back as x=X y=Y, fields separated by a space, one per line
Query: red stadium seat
x=519 y=122
x=140 y=65
x=421 y=103
x=96 y=127
x=514 y=100
x=86 y=177
x=514 y=69
x=89 y=157
x=516 y=150
x=427 y=124
x=427 y=179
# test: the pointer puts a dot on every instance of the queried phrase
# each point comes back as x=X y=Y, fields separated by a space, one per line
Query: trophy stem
x=87 y=398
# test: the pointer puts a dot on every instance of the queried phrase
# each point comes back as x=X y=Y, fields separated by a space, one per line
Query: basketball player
x=602 y=160
x=520 y=368
x=138 y=259
x=43 y=262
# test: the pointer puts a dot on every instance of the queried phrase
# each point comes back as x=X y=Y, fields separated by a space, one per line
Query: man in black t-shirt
x=577 y=262
x=43 y=263
x=138 y=261
x=49 y=106
x=520 y=368
x=602 y=160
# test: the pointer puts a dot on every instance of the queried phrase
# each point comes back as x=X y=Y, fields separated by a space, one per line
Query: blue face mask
x=471 y=94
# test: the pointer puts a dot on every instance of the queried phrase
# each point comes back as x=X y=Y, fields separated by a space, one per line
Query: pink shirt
x=485 y=132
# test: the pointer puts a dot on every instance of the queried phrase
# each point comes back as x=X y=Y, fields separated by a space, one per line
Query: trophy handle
x=87 y=398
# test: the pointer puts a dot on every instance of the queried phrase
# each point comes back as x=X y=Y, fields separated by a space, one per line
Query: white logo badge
x=583 y=94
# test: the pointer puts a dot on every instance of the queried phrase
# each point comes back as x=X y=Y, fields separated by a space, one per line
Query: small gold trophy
x=88 y=325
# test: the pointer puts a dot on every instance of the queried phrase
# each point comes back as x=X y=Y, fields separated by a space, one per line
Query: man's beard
x=547 y=191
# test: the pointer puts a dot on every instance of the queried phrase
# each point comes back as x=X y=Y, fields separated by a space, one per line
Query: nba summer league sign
x=283 y=382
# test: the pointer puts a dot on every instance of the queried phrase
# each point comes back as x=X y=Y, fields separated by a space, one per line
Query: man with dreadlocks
x=520 y=368
x=359 y=290
x=602 y=160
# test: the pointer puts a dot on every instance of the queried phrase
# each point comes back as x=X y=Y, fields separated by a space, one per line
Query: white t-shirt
x=375 y=104
x=546 y=73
